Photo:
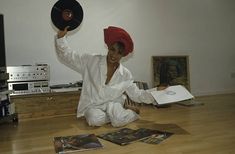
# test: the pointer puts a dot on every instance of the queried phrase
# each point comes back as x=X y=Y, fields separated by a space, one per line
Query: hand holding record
x=67 y=13
x=61 y=33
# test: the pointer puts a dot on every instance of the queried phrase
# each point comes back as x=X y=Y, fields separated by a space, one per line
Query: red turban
x=115 y=34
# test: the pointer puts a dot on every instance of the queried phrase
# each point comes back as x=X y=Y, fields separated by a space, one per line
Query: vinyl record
x=67 y=13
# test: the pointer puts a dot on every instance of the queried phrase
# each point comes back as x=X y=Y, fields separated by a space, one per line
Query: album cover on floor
x=126 y=136
x=68 y=144
x=157 y=138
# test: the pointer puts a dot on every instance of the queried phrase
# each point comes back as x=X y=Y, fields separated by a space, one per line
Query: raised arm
x=65 y=54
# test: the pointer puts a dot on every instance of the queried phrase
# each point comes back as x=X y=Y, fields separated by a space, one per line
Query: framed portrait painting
x=171 y=70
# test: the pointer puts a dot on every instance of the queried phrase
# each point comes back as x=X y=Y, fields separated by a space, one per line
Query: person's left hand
x=161 y=87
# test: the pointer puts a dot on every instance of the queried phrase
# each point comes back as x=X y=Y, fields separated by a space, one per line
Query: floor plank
x=201 y=129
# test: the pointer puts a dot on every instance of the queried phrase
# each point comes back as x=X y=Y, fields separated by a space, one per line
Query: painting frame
x=171 y=70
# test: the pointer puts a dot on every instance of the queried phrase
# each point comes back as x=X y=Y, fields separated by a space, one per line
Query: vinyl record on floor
x=67 y=13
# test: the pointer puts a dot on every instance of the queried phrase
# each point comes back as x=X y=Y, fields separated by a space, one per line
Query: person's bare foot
x=132 y=107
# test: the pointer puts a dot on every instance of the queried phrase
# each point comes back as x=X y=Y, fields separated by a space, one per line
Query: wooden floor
x=202 y=129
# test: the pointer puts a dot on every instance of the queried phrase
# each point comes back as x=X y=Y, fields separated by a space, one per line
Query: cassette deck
x=28 y=79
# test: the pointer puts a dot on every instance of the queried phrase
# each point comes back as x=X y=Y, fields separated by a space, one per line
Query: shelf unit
x=7 y=108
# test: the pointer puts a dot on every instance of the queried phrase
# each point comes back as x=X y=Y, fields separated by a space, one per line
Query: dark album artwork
x=67 y=144
x=126 y=136
x=157 y=138
x=171 y=70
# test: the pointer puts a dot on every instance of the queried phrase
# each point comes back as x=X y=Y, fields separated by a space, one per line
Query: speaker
x=2 y=43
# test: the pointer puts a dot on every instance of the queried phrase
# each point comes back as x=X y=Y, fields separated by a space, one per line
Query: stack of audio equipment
x=7 y=109
x=4 y=76
x=29 y=79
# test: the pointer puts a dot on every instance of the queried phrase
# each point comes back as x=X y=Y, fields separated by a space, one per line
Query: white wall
x=202 y=29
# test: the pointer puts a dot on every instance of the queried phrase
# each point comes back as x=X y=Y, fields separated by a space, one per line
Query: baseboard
x=208 y=93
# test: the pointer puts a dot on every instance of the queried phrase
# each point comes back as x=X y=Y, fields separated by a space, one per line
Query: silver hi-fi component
x=28 y=79
x=32 y=87
x=28 y=73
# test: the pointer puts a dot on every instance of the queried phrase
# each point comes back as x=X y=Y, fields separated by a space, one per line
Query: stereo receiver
x=28 y=73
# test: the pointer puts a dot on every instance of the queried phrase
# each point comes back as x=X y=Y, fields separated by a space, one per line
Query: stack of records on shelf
x=4 y=99
x=142 y=85
x=66 y=87
x=4 y=76
x=6 y=107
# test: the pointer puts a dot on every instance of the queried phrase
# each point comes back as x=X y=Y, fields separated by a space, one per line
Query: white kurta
x=93 y=68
